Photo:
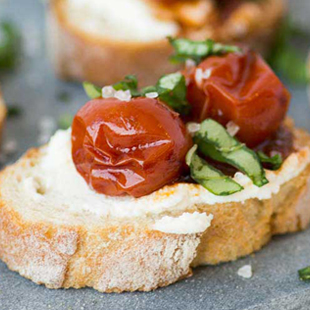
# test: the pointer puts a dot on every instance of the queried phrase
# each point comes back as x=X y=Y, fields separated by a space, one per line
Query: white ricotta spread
x=187 y=223
x=122 y=20
x=64 y=185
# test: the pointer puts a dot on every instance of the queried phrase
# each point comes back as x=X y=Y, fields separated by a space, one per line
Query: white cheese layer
x=124 y=20
x=64 y=185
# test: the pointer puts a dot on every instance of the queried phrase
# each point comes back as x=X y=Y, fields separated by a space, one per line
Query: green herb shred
x=130 y=82
x=304 y=274
x=92 y=91
x=171 y=89
x=209 y=177
x=274 y=162
x=215 y=142
x=286 y=57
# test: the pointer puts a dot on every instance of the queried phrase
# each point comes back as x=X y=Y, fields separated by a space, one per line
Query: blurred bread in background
x=101 y=41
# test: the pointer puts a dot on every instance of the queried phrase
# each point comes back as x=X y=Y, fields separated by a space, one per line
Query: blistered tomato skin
x=240 y=88
x=132 y=148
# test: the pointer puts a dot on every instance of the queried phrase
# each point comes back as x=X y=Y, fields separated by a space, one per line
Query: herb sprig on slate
x=304 y=274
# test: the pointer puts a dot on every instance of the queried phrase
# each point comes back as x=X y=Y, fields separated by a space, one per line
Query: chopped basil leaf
x=304 y=274
x=130 y=82
x=148 y=89
x=10 y=45
x=92 y=91
x=274 y=162
x=198 y=50
x=171 y=89
x=210 y=178
x=14 y=111
x=65 y=121
x=214 y=141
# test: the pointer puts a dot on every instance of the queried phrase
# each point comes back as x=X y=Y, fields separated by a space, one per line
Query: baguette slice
x=57 y=247
x=80 y=55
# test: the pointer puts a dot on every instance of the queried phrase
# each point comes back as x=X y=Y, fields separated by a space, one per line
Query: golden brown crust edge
x=79 y=56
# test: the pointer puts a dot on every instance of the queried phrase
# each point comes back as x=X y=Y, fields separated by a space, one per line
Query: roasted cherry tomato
x=133 y=147
x=239 y=88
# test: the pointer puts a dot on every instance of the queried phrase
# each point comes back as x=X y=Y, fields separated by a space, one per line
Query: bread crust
x=80 y=56
x=127 y=255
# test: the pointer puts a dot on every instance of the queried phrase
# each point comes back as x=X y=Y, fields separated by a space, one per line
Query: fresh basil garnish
x=273 y=163
x=304 y=274
x=130 y=82
x=215 y=142
x=198 y=50
x=210 y=178
x=10 y=45
x=92 y=91
x=171 y=89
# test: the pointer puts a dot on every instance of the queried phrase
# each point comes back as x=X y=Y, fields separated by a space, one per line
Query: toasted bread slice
x=81 y=54
x=49 y=243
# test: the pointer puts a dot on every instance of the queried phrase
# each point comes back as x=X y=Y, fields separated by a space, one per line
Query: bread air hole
x=39 y=186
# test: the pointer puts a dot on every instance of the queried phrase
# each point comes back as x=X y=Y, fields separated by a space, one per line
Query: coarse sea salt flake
x=202 y=75
x=123 y=95
x=193 y=127
x=108 y=92
x=232 y=128
x=152 y=95
x=245 y=272
x=189 y=63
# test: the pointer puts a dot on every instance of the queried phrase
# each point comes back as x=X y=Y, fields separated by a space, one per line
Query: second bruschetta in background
x=102 y=41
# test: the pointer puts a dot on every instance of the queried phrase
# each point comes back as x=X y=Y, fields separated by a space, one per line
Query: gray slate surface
x=275 y=283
